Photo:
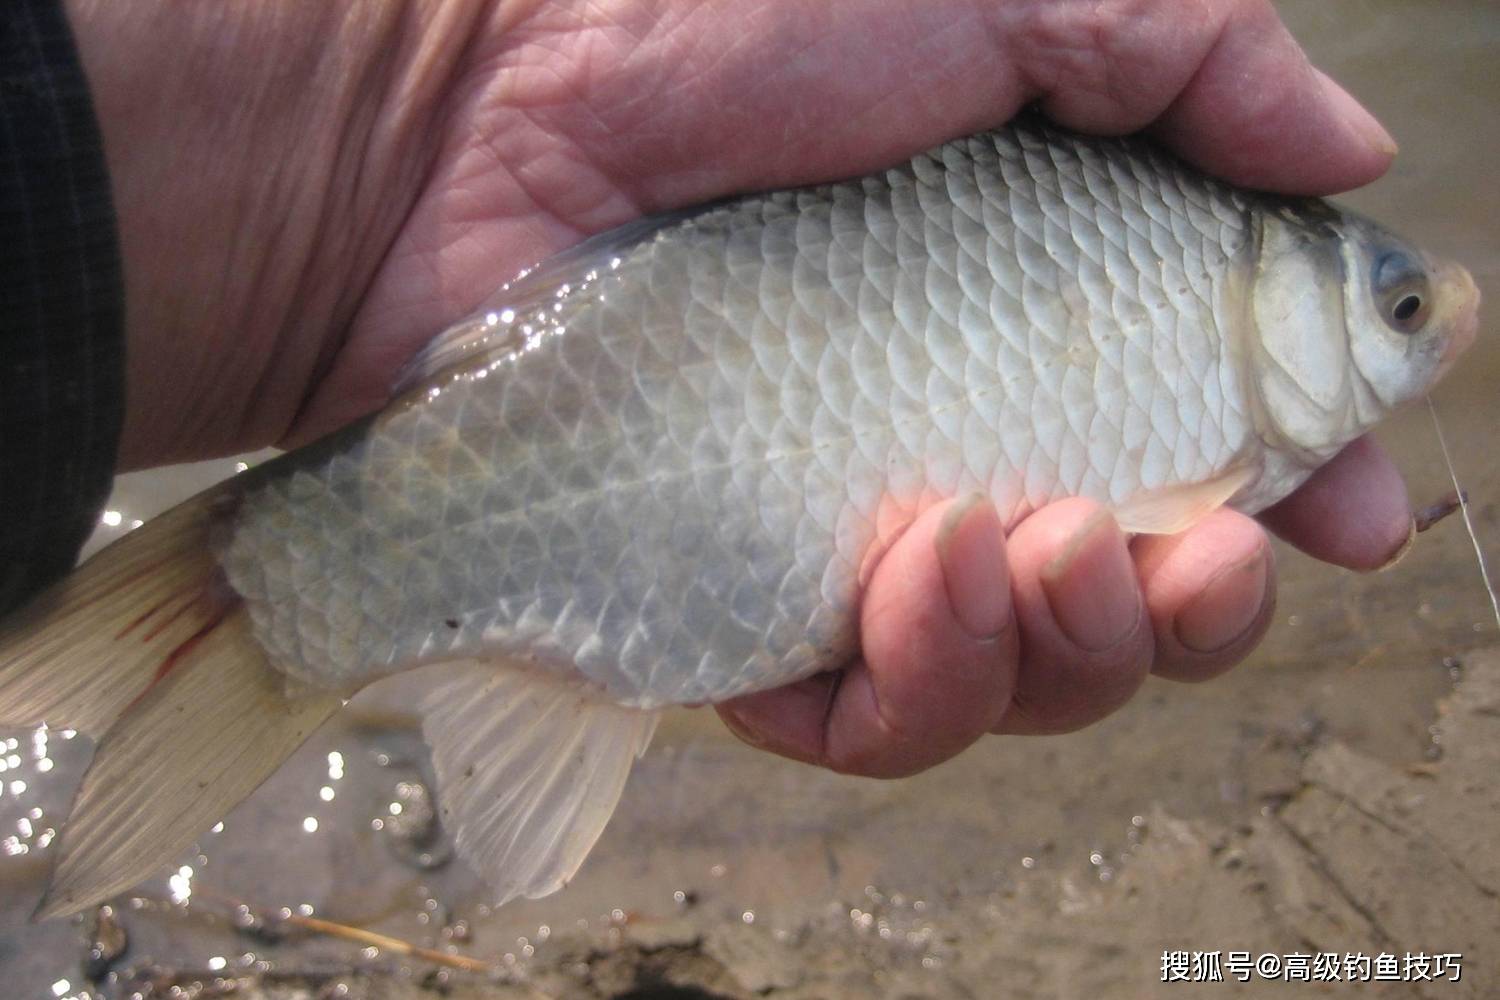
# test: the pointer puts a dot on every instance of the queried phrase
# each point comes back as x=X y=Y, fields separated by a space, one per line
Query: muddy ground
x=1347 y=853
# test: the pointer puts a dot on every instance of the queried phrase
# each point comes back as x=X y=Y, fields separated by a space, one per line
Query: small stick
x=1435 y=512
x=359 y=935
x=400 y=947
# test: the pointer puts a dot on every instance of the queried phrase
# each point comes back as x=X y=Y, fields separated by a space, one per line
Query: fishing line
x=1463 y=506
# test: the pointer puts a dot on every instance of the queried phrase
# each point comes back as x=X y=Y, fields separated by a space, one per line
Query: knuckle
x=1117 y=64
x=1068 y=45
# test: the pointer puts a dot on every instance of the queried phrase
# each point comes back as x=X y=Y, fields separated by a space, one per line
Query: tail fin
x=81 y=652
x=145 y=646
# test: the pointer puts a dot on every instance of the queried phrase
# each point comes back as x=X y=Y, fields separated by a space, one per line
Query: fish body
x=658 y=468
x=665 y=465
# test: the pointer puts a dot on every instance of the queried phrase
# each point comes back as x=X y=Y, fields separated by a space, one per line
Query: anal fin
x=529 y=770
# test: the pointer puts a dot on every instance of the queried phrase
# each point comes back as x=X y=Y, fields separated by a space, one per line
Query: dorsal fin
x=490 y=328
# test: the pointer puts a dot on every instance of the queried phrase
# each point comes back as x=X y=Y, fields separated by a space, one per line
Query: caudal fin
x=92 y=644
x=201 y=739
x=147 y=650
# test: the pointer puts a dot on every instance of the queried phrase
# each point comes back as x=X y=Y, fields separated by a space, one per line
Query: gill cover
x=1302 y=363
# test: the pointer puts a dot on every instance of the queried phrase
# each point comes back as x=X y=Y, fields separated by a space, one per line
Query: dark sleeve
x=61 y=304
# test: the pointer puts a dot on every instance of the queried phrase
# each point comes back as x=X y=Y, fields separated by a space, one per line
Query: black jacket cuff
x=61 y=304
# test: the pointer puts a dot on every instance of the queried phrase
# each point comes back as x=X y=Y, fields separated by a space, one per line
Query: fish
x=658 y=468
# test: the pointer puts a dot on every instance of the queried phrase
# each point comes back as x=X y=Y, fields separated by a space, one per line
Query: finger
x=788 y=720
x=939 y=657
x=1085 y=635
x=1257 y=113
x=854 y=85
x=1209 y=592
x=1353 y=512
x=1117 y=67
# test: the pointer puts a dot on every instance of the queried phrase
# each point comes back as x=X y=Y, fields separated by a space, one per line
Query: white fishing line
x=1463 y=507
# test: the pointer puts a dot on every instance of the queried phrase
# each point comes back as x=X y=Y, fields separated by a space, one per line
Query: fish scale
x=1018 y=313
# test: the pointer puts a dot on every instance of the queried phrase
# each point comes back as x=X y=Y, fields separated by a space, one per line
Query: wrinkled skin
x=308 y=192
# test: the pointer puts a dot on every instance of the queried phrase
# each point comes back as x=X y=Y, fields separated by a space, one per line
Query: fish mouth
x=1456 y=287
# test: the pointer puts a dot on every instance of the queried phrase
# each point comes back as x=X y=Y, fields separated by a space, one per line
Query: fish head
x=1408 y=314
x=1351 y=321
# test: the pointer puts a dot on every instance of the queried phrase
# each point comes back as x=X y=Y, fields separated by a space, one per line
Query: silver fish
x=657 y=469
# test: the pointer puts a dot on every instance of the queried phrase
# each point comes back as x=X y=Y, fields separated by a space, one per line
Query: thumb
x=939 y=665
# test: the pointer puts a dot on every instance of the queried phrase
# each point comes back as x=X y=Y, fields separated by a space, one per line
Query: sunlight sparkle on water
x=180 y=885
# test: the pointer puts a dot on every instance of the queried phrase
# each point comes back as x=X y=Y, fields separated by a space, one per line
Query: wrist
x=257 y=179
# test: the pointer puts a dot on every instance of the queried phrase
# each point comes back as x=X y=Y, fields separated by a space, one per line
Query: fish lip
x=1456 y=284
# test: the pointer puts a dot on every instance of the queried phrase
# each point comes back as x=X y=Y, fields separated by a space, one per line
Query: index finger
x=1222 y=82
x=1258 y=113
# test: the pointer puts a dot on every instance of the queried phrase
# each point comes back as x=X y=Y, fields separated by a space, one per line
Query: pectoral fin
x=1176 y=508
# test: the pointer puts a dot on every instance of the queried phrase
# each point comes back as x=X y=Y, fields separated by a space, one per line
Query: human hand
x=307 y=193
x=967 y=632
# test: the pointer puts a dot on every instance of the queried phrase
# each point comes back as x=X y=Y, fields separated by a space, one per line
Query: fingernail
x=1360 y=121
x=737 y=725
x=1091 y=586
x=1402 y=549
x=1225 y=610
x=971 y=550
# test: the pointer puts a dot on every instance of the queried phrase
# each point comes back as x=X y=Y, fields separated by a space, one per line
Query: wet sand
x=1332 y=794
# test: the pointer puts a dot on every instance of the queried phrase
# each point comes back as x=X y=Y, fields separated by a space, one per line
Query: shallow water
x=1029 y=826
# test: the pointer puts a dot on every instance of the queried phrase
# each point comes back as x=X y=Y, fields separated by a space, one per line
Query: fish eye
x=1401 y=290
